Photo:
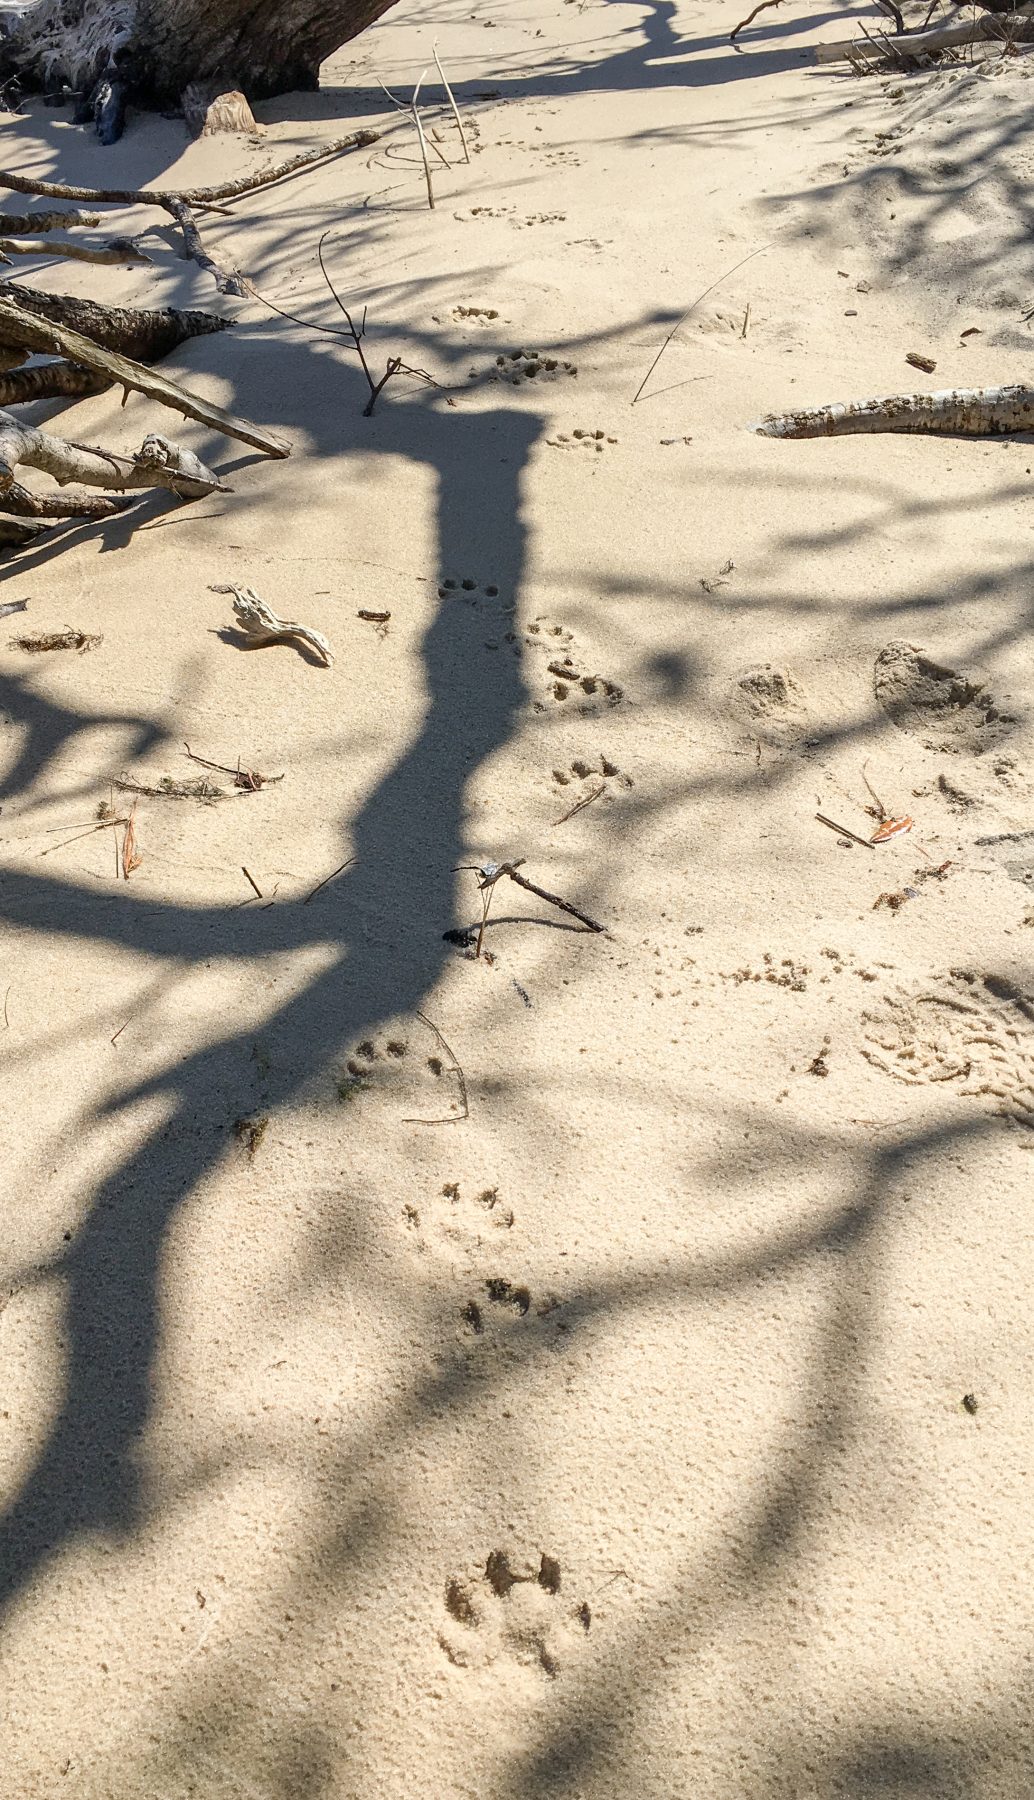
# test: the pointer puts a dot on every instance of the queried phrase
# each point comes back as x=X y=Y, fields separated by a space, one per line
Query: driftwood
x=263 y=626
x=15 y=532
x=157 y=464
x=24 y=505
x=134 y=331
x=37 y=223
x=101 y=250
x=50 y=381
x=1017 y=26
x=43 y=334
x=954 y=412
x=228 y=281
x=228 y=190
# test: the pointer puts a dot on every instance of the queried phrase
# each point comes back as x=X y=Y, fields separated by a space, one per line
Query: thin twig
x=248 y=779
x=690 y=309
x=749 y=20
x=119 y=1032
x=843 y=831
x=7 y=1022
x=253 y=882
x=326 y=878
x=452 y=97
x=586 y=800
x=450 y=1118
x=554 y=900
x=104 y=825
x=423 y=141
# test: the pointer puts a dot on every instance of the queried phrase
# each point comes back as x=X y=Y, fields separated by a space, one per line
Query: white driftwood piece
x=158 y=463
x=953 y=412
x=1018 y=26
x=264 y=627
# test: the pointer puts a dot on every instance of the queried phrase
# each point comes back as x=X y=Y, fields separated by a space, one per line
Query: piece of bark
x=158 y=463
x=43 y=334
x=955 y=412
x=38 y=223
x=101 y=250
x=227 y=190
x=24 y=505
x=1020 y=28
x=209 y=108
x=228 y=281
x=133 y=331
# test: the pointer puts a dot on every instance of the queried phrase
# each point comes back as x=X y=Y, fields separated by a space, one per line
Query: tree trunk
x=158 y=47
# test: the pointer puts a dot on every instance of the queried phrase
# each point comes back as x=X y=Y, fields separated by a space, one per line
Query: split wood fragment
x=263 y=626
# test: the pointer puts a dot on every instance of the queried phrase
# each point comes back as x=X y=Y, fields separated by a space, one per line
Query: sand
x=604 y=1436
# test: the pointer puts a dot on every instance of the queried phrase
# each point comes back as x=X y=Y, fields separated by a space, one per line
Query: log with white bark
x=39 y=223
x=43 y=334
x=953 y=412
x=158 y=463
x=1018 y=26
x=100 y=250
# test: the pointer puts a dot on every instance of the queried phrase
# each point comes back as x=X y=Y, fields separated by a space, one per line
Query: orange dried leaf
x=891 y=828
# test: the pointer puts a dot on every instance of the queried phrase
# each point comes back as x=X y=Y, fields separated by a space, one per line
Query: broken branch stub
x=158 y=463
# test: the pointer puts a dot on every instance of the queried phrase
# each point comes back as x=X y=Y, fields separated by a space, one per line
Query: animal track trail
x=516 y=366
x=458 y=1226
x=974 y=1032
x=945 y=708
x=502 y=1304
x=513 y=1613
x=468 y=590
x=567 y=678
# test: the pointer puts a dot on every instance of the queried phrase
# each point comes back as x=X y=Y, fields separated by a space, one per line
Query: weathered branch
x=228 y=190
x=43 y=334
x=749 y=20
x=14 y=532
x=146 y=335
x=157 y=464
x=954 y=412
x=50 y=381
x=228 y=281
x=102 y=250
x=18 y=500
x=37 y=223
x=1018 y=26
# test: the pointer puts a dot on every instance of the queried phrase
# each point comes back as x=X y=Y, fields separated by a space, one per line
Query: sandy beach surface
x=601 y=1367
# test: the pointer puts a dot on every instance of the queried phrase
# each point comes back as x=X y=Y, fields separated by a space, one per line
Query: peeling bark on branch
x=953 y=412
x=158 y=463
x=145 y=335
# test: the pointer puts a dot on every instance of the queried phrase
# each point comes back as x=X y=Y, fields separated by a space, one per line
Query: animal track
x=774 y=703
x=581 y=440
x=512 y=1611
x=948 y=710
x=974 y=1031
x=528 y=365
x=481 y=315
x=567 y=680
x=581 y=771
x=459 y=1225
x=467 y=590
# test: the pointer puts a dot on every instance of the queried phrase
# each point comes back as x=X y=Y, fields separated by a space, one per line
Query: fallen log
x=134 y=331
x=15 y=532
x=38 y=223
x=1017 y=26
x=18 y=500
x=158 y=463
x=953 y=412
x=44 y=334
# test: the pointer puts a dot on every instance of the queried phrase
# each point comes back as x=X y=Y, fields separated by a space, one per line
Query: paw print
x=459 y=1226
x=467 y=590
x=513 y=1613
x=580 y=439
x=591 y=780
x=529 y=365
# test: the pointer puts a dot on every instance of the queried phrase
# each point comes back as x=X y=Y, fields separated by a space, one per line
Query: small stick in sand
x=450 y=1118
x=690 y=309
x=489 y=873
x=253 y=882
x=12 y=606
x=866 y=843
x=749 y=20
x=248 y=779
x=423 y=141
x=131 y=858
x=452 y=100
x=119 y=1032
x=326 y=878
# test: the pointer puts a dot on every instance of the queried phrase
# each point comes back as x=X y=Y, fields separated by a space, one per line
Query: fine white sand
x=608 y=1441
